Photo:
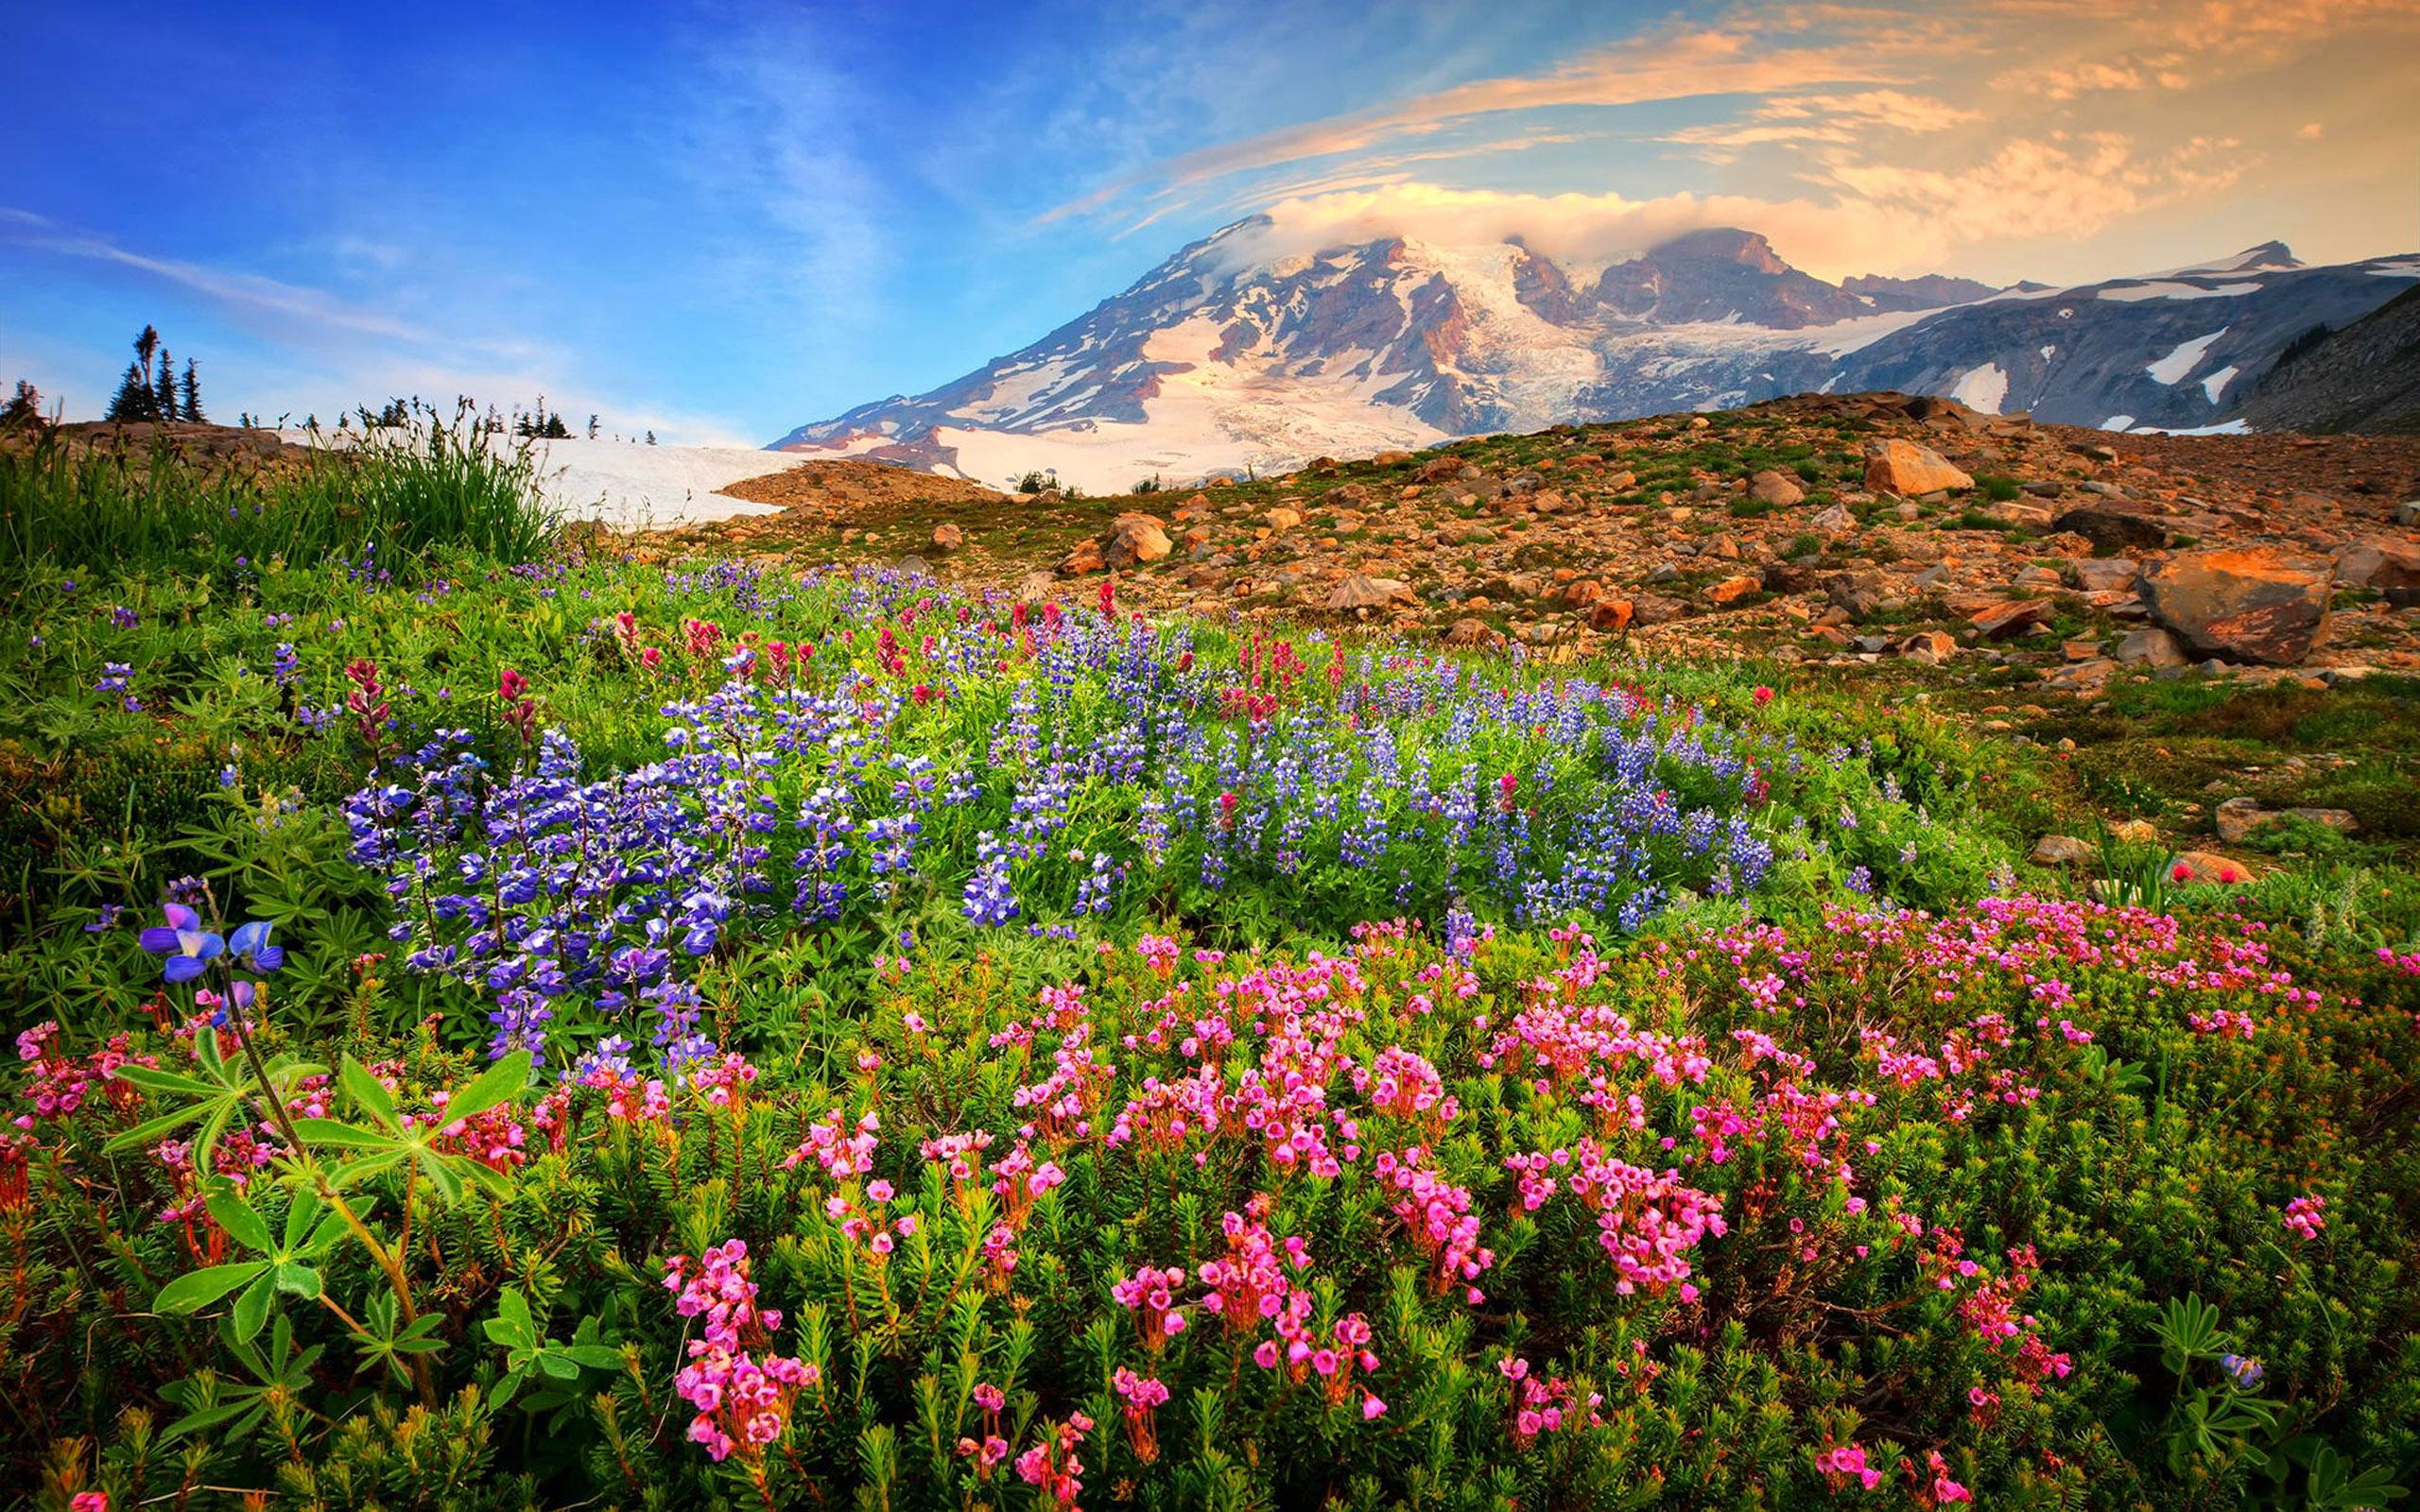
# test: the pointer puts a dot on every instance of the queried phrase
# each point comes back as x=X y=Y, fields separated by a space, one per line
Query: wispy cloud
x=769 y=144
x=240 y=293
x=1682 y=64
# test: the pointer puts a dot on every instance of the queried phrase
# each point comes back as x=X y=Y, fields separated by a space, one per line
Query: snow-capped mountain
x=1224 y=358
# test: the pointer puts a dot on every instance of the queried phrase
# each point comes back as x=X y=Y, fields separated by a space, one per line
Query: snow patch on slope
x=2188 y=356
x=1984 y=389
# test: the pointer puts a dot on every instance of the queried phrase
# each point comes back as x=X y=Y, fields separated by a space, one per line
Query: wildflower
x=1763 y=696
x=2241 y=1369
x=2303 y=1216
x=250 y=944
x=189 y=948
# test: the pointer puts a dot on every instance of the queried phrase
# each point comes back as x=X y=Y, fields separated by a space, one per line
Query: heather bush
x=603 y=1034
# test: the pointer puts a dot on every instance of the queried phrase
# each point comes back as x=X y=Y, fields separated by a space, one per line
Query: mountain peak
x=1724 y=244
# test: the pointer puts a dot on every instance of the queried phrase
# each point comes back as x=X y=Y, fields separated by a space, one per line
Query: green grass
x=390 y=498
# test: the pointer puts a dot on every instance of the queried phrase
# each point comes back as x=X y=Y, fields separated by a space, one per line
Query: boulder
x=2061 y=851
x=1133 y=538
x=948 y=538
x=1610 y=615
x=1908 y=470
x=1473 y=632
x=2001 y=622
x=2245 y=605
x=1832 y=520
x=1086 y=558
x=2114 y=529
x=1778 y=488
x=1391 y=460
x=2106 y=575
x=2150 y=647
x=2391 y=567
x=2205 y=867
x=1731 y=589
x=1928 y=647
x=1282 y=518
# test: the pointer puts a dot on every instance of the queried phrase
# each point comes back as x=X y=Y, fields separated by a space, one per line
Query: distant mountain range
x=1223 y=360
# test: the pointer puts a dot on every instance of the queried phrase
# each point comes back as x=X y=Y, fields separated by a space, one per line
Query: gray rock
x=2061 y=851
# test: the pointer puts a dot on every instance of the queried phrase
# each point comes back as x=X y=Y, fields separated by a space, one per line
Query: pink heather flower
x=89 y=1502
x=2303 y=1215
x=1848 y=1461
x=1371 y=1408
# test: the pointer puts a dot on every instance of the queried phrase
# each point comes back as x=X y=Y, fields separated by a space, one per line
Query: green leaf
x=251 y=1308
x=555 y=1365
x=152 y=1131
x=507 y=1079
x=242 y=1223
x=301 y=1281
x=342 y=1135
x=369 y=1093
x=199 y=1289
x=595 y=1356
x=299 y=1216
x=194 y=1423
x=166 y=1081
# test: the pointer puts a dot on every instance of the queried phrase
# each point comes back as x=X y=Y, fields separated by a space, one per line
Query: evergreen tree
x=555 y=430
x=134 y=400
x=145 y=345
x=163 y=389
x=24 y=407
x=592 y=427
x=192 y=386
x=651 y=437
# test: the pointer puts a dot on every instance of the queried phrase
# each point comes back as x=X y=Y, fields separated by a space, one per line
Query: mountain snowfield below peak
x=1221 y=362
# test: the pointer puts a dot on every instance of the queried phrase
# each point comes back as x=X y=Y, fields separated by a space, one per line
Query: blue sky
x=722 y=221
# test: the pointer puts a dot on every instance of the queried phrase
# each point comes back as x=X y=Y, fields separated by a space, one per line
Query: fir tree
x=24 y=407
x=134 y=400
x=192 y=386
x=163 y=389
x=555 y=430
x=651 y=437
x=145 y=345
x=592 y=427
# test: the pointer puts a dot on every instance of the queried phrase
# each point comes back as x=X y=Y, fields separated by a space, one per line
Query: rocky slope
x=1228 y=360
x=2365 y=377
x=1848 y=530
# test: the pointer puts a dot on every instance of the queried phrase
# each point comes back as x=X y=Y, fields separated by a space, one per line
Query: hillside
x=2365 y=377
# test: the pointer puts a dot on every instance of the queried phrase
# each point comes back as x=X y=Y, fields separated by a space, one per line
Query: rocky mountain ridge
x=1224 y=360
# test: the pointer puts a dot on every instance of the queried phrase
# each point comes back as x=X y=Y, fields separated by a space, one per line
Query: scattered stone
x=1778 y=488
x=1910 y=470
x=1282 y=518
x=948 y=538
x=1731 y=589
x=1610 y=614
x=2062 y=851
x=1832 y=521
x=2237 y=817
x=2247 y=605
x=1473 y=632
x=1360 y=591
